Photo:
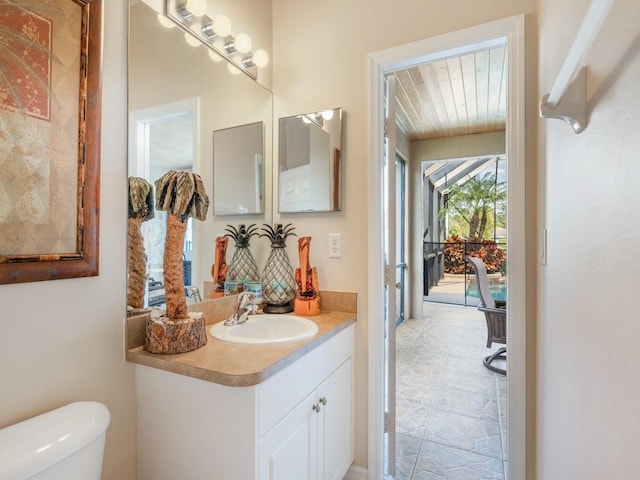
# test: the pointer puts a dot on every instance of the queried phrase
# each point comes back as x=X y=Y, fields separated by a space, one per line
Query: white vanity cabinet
x=314 y=441
x=297 y=424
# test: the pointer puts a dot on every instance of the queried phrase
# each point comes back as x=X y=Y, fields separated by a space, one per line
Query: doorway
x=163 y=138
x=464 y=214
x=381 y=63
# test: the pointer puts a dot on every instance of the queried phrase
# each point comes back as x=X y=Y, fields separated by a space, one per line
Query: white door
x=389 y=315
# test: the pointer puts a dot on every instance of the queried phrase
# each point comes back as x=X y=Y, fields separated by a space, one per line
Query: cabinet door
x=335 y=433
x=289 y=450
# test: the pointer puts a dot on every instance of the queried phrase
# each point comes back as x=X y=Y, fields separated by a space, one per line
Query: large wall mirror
x=179 y=95
x=309 y=162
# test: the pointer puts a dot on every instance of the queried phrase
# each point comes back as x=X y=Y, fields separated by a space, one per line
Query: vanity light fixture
x=219 y=26
x=233 y=69
x=165 y=22
x=191 y=40
x=215 y=33
x=187 y=8
x=259 y=58
x=316 y=118
x=239 y=44
x=214 y=56
x=327 y=115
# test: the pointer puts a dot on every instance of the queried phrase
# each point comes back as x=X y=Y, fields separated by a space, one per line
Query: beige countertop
x=241 y=365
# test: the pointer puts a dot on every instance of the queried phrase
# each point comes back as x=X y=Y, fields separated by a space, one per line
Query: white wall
x=63 y=340
x=320 y=62
x=588 y=326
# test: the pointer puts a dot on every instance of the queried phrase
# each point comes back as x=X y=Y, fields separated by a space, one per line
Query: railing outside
x=449 y=279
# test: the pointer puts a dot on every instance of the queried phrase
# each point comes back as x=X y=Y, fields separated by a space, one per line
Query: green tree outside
x=476 y=206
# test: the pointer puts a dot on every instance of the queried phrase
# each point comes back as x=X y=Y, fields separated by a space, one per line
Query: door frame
x=513 y=30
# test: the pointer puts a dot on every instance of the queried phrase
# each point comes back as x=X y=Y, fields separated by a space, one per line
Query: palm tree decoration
x=182 y=195
x=140 y=210
x=242 y=266
x=277 y=278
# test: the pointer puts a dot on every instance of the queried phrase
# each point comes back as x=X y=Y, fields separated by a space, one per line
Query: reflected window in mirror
x=309 y=162
x=238 y=170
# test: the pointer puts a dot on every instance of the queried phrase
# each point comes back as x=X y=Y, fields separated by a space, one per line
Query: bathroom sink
x=265 y=329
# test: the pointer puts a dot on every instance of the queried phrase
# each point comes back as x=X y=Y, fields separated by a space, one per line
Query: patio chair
x=495 y=313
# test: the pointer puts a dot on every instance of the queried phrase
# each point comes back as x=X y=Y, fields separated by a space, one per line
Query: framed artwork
x=50 y=108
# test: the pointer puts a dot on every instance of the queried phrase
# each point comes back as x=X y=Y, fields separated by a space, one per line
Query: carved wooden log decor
x=140 y=210
x=136 y=275
x=173 y=269
x=307 y=302
x=175 y=336
x=182 y=195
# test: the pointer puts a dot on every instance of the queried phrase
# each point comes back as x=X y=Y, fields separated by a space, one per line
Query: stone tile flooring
x=450 y=409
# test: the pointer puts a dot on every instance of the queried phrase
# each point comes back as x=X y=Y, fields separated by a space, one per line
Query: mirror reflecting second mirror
x=178 y=96
x=238 y=170
x=309 y=162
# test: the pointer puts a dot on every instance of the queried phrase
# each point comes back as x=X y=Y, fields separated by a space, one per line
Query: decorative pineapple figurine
x=277 y=278
x=242 y=266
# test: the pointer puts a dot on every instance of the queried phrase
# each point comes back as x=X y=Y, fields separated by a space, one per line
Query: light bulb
x=165 y=22
x=191 y=40
x=327 y=114
x=214 y=56
x=197 y=7
x=233 y=69
x=218 y=44
x=260 y=58
x=243 y=43
x=222 y=25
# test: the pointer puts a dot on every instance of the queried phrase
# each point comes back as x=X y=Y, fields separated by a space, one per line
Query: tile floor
x=450 y=409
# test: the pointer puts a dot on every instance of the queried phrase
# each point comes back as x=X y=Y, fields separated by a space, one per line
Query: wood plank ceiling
x=454 y=96
x=171 y=143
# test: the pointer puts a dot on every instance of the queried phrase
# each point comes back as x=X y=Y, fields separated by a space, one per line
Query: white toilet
x=66 y=443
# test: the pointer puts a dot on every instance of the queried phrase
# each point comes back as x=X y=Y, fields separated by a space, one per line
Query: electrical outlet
x=335 y=245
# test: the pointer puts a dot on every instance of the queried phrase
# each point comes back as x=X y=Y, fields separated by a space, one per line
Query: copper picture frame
x=50 y=116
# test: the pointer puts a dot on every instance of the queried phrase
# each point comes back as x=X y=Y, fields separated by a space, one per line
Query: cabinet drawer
x=282 y=392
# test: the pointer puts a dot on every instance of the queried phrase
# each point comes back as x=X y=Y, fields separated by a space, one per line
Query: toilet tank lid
x=37 y=443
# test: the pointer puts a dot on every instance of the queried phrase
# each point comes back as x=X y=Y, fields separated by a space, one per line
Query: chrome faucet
x=244 y=303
